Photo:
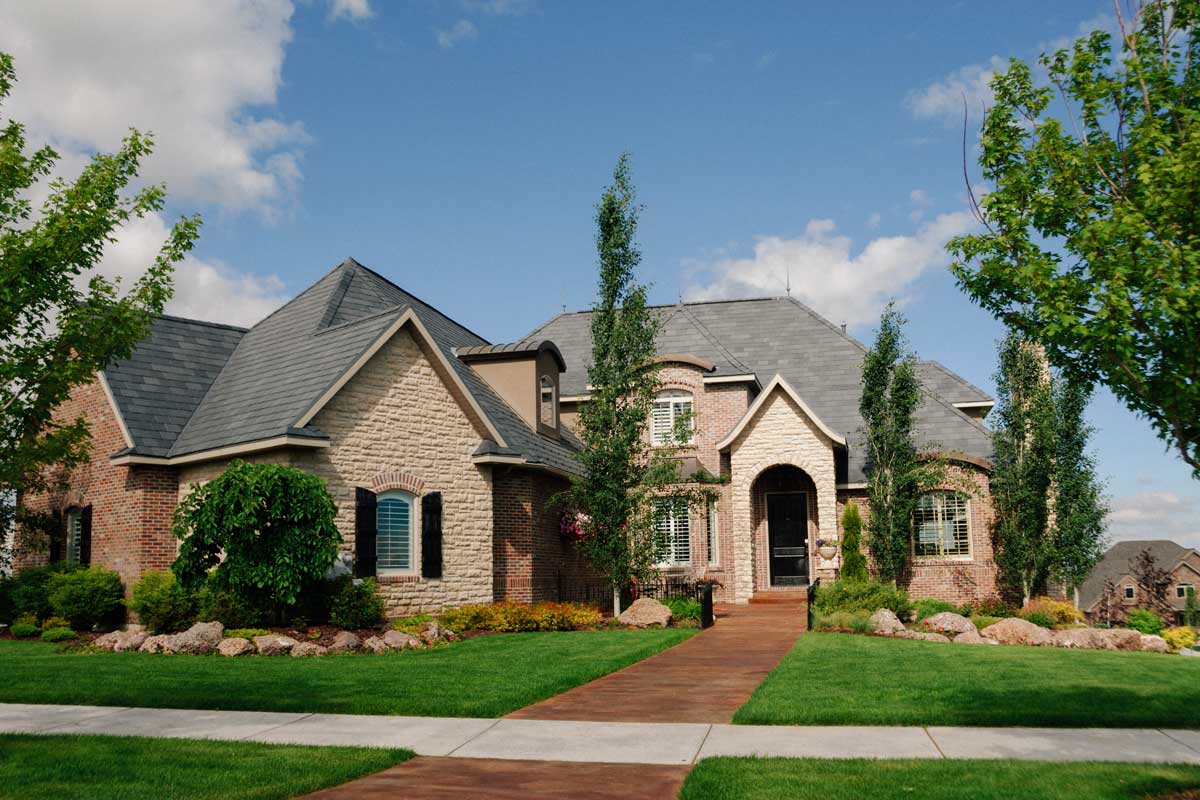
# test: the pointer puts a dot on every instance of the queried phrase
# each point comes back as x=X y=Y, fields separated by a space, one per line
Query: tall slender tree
x=1078 y=507
x=854 y=563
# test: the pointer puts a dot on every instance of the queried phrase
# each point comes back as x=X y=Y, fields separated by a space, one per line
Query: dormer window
x=669 y=408
x=547 y=402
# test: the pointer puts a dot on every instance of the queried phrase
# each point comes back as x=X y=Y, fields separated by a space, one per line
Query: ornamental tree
x=1091 y=241
x=264 y=532
x=854 y=563
x=61 y=321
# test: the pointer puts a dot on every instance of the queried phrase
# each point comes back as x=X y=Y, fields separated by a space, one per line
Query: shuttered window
x=942 y=526
x=671 y=519
x=74 y=535
x=670 y=407
x=394 y=523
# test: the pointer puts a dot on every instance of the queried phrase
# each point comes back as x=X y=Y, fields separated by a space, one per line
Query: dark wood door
x=787 y=534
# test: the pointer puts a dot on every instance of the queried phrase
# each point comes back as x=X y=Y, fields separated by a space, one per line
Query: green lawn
x=486 y=676
x=104 y=768
x=841 y=679
x=801 y=779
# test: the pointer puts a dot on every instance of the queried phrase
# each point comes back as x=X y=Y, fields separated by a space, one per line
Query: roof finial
x=788 y=267
x=564 y=307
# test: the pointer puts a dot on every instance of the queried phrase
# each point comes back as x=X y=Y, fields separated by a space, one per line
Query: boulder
x=973 y=637
x=274 y=645
x=1189 y=652
x=431 y=632
x=122 y=641
x=155 y=644
x=236 y=646
x=1154 y=644
x=345 y=642
x=375 y=645
x=304 y=649
x=922 y=636
x=398 y=640
x=947 y=622
x=645 y=612
x=1125 y=638
x=203 y=637
x=886 y=622
x=1018 y=631
x=1083 y=639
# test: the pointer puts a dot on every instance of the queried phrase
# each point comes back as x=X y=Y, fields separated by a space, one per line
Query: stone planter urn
x=828 y=551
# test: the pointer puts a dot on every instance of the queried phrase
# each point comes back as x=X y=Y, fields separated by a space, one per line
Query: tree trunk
x=616 y=601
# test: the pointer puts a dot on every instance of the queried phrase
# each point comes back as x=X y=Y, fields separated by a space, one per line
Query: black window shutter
x=366 y=533
x=431 y=535
x=58 y=533
x=85 y=537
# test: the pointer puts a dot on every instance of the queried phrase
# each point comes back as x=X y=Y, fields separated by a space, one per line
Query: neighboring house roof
x=820 y=362
x=1118 y=562
x=281 y=370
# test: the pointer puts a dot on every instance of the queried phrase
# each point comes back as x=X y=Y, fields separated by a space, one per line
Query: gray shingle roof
x=949 y=386
x=278 y=369
x=1118 y=561
x=781 y=335
x=158 y=388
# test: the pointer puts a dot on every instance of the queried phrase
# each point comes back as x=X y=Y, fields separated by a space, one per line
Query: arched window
x=394 y=521
x=670 y=407
x=943 y=526
x=547 y=402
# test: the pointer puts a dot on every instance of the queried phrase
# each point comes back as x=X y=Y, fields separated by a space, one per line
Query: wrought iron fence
x=600 y=594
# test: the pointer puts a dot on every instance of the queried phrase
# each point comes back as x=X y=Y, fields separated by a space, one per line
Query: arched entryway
x=783 y=501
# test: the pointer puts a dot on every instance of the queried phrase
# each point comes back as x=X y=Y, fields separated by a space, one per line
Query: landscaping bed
x=115 y=768
x=838 y=679
x=786 y=778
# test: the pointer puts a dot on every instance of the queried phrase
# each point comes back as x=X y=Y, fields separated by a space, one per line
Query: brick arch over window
x=393 y=481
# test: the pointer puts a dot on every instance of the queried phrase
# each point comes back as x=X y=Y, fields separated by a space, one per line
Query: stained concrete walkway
x=664 y=744
x=705 y=679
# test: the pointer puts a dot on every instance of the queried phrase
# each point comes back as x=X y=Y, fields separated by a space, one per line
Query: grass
x=108 y=768
x=486 y=676
x=790 y=778
x=841 y=679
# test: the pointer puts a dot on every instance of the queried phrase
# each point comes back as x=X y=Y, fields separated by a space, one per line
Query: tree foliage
x=1079 y=506
x=60 y=321
x=1092 y=240
x=896 y=475
x=265 y=531
x=854 y=563
x=1154 y=584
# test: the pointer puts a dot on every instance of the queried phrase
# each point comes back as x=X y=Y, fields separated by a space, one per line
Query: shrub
x=987 y=607
x=1060 y=612
x=1038 y=618
x=983 y=620
x=571 y=616
x=55 y=622
x=356 y=605
x=856 y=621
x=854 y=563
x=512 y=618
x=1145 y=621
x=161 y=604
x=8 y=609
x=683 y=607
x=862 y=596
x=89 y=597
x=411 y=625
x=227 y=608
x=467 y=618
x=57 y=634
x=516 y=617
x=929 y=607
x=30 y=590
x=1179 y=637
x=245 y=633
x=27 y=619
x=24 y=630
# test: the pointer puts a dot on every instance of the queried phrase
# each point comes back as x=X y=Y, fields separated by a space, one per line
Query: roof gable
x=778 y=384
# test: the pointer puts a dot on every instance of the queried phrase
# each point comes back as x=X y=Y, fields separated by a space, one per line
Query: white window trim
x=713 y=519
x=553 y=421
x=1129 y=591
x=676 y=398
x=671 y=561
x=414 y=539
x=969 y=555
x=74 y=526
x=1181 y=590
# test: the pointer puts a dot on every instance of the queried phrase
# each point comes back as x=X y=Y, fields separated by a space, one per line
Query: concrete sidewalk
x=611 y=742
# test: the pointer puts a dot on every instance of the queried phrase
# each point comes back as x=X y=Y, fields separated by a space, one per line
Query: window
x=74 y=535
x=714 y=544
x=943 y=526
x=394 y=542
x=1130 y=593
x=671 y=518
x=1181 y=591
x=546 y=402
x=669 y=407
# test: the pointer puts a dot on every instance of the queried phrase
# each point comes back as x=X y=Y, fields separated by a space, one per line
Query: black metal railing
x=812 y=596
x=600 y=594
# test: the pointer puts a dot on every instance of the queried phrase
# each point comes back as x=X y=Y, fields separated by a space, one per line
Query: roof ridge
x=713 y=340
x=367 y=318
x=954 y=375
x=430 y=306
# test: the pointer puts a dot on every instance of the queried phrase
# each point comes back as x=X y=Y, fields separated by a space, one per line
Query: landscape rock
x=274 y=645
x=1083 y=639
x=645 y=612
x=305 y=649
x=948 y=622
x=375 y=645
x=122 y=641
x=155 y=644
x=973 y=637
x=886 y=622
x=1154 y=644
x=1189 y=652
x=1125 y=638
x=345 y=642
x=1018 y=631
x=203 y=637
x=922 y=636
x=398 y=640
x=236 y=646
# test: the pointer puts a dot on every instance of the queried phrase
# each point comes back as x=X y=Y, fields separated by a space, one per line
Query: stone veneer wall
x=131 y=506
x=397 y=415
x=780 y=433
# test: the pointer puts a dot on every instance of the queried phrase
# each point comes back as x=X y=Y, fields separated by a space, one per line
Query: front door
x=787 y=536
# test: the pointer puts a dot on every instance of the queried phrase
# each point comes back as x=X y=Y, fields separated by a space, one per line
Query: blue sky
x=458 y=147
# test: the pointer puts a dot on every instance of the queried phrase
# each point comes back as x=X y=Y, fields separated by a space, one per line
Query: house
x=443 y=452
x=773 y=393
x=1117 y=567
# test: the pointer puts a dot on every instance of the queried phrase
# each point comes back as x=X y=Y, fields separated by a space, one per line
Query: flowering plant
x=570 y=525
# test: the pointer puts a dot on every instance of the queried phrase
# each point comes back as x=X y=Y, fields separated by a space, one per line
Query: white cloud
x=1156 y=515
x=945 y=98
x=826 y=273
x=462 y=31
x=352 y=10
x=500 y=8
